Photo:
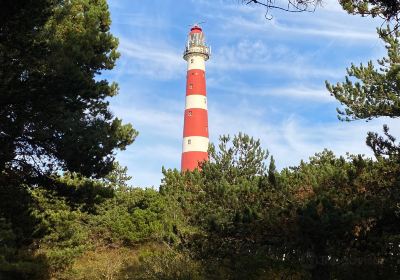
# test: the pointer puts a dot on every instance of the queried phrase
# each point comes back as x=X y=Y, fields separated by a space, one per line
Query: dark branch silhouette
x=388 y=10
x=293 y=6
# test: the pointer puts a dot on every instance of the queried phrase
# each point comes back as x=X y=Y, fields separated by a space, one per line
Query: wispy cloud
x=306 y=94
x=152 y=58
x=337 y=32
x=276 y=60
x=294 y=138
x=139 y=20
x=298 y=92
x=329 y=21
x=151 y=121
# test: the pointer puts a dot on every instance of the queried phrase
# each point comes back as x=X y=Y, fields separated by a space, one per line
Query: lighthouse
x=195 y=128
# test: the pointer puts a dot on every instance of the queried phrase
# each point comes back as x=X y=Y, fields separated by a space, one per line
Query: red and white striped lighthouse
x=195 y=129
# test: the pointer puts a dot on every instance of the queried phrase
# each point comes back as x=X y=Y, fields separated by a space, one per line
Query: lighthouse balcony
x=202 y=50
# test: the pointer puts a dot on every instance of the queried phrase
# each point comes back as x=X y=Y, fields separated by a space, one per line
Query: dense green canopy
x=53 y=105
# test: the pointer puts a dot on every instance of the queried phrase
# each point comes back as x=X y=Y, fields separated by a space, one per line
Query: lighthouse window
x=190 y=113
x=191 y=60
x=191 y=86
x=189 y=141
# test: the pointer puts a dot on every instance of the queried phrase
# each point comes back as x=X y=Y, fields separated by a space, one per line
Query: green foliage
x=243 y=158
x=59 y=225
x=375 y=92
x=118 y=177
x=329 y=218
x=15 y=264
x=81 y=192
x=384 y=146
x=49 y=242
x=388 y=10
x=369 y=93
x=54 y=106
x=65 y=233
x=224 y=202
x=133 y=216
x=225 y=189
x=318 y=220
x=272 y=173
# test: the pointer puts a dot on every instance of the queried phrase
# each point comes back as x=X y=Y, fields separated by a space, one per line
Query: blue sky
x=265 y=78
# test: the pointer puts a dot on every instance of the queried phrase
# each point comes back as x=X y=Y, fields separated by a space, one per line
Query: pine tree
x=272 y=172
x=54 y=106
x=369 y=92
x=388 y=10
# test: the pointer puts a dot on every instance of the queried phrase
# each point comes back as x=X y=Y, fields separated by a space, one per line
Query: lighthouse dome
x=196 y=29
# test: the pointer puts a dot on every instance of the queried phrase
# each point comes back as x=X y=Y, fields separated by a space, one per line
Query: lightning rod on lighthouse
x=195 y=129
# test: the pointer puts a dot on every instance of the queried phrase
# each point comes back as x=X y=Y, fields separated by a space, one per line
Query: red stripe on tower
x=195 y=129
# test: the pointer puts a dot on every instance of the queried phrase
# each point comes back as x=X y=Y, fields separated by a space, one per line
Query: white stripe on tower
x=196 y=101
x=195 y=144
x=197 y=62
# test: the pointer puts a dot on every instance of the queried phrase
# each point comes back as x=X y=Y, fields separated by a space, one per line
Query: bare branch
x=293 y=6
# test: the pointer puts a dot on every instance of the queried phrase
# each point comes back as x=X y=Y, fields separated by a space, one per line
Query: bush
x=163 y=263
